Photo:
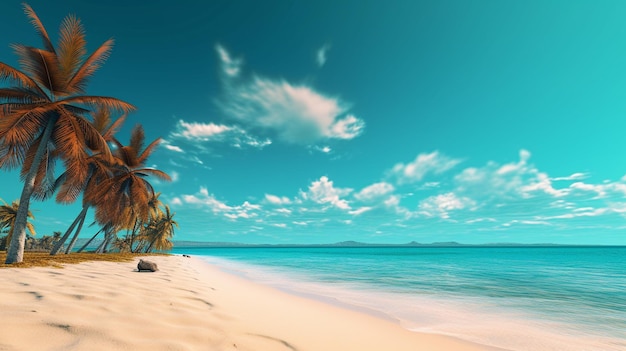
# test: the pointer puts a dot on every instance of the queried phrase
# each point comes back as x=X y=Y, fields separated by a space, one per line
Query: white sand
x=187 y=305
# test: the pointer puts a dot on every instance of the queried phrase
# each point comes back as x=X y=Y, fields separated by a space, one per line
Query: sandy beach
x=186 y=305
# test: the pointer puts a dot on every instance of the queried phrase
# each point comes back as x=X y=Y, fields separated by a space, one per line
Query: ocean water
x=522 y=299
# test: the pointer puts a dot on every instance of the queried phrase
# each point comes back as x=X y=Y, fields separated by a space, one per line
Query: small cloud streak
x=321 y=55
x=424 y=164
x=199 y=133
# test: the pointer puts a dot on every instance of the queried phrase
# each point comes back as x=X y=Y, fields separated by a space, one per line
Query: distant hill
x=350 y=243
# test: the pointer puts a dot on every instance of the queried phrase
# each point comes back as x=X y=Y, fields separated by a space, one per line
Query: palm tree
x=125 y=198
x=160 y=231
x=43 y=113
x=8 y=217
x=99 y=168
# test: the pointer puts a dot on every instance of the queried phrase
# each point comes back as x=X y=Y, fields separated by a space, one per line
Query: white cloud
x=297 y=114
x=321 y=55
x=280 y=225
x=301 y=223
x=374 y=191
x=479 y=220
x=360 y=210
x=322 y=191
x=283 y=210
x=597 y=188
x=524 y=155
x=208 y=201
x=196 y=132
x=273 y=199
x=542 y=183
x=587 y=213
x=575 y=176
x=423 y=164
x=512 y=180
x=202 y=131
x=173 y=148
x=441 y=205
x=527 y=222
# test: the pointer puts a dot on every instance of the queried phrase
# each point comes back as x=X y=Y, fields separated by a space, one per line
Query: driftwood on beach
x=144 y=266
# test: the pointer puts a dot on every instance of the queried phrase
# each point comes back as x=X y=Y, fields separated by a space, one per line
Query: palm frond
x=67 y=136
x=126 y=155
x=143 y=158
x=42 y=66
x=137 y=138
x=71 y=48
x=92 y=137
x=18 y=95
x=8 y=72
x=78 y=82
x=155 y=172
x=96 y=102
x=114 y=127
x=39 y=27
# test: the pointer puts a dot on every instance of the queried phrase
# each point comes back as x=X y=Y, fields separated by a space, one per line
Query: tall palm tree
x=43 y=112
x=8 y=217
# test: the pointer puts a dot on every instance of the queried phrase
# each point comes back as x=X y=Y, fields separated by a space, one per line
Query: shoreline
x=187 y=305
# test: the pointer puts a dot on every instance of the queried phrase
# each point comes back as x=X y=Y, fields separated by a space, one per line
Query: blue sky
x=318 y=122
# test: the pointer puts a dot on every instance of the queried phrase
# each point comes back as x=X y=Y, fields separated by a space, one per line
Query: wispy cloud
x=172 y=147
x=441 y=205
x=295 y=114
x=200 y=133
x=203 y=199
x=424 y=164
x=321 y=55
x=276 y=200
x=574 y=176
x=230 y=66
x=374 y=191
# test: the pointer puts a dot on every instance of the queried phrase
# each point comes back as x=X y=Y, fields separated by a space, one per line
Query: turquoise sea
x=517 y=298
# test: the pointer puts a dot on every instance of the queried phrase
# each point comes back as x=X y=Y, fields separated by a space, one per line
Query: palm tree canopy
x=8 y=214
x=49 y=91
x=126 y=196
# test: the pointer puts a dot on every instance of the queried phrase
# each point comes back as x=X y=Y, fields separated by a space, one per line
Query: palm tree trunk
x=100 y=248
x=133 y=234
x=80 y=226
x=108 y=237
x=69 y=231
x=70 y=246
x=15 y=253
x=149 y=248
x=89 y=242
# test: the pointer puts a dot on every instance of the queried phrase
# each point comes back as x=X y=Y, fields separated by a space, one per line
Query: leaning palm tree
x=125 y=198
x=44 y=110
x=161 y=231
x=99 y=168
x=8 y=217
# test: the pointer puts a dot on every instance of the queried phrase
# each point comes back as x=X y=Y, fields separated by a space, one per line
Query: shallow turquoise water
x=554 y=298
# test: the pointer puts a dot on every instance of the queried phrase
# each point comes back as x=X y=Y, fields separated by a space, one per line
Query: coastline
x=187 y=305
